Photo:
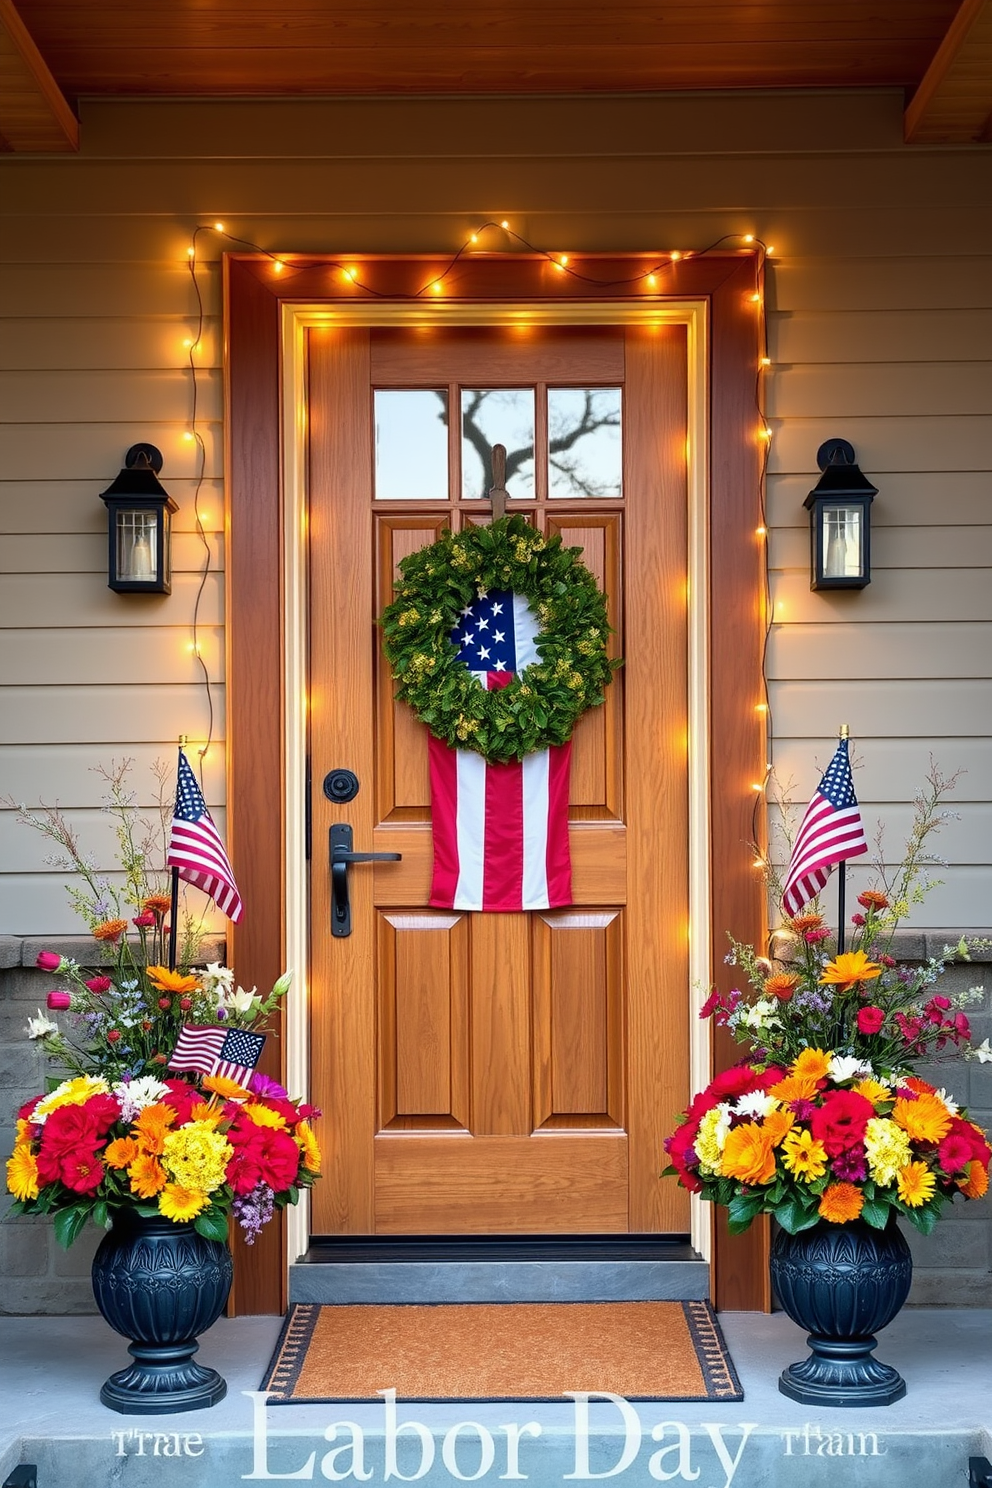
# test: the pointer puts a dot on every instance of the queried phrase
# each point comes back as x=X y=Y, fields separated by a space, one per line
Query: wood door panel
x=479 y=356
x=599 y=863
x=501 y=1185
x=423 y=1020
x=578 y=1018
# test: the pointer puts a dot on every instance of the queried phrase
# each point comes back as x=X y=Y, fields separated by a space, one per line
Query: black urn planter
x=161 y=1284
x=842 y=1283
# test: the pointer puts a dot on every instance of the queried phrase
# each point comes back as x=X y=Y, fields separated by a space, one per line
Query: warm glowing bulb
x=652 y=280
x=759 y=862
x=474 y=238
x=564 y=259
x=505 y=225
x=769 y=250
x=675 y=256
x=761 y=531
x=189 y=436
x=277 y=265
x=219 y=227
x=559 y=267
x=190 y=252
x=188 y=342
x=749 y=237
x=761 y=707
x=756 y=787
x=756 y=299
x=764 y=433
x=436 y=286
x=765 y=362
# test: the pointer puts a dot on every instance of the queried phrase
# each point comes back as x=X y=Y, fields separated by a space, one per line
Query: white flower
x=982 y=1052
x=763 y=1014
x=845 y=1067
x=216 y=977
x=239 y=1001
x=758 y=1103
x=135 y=1095
x=952 y=1106
x=41 y=1026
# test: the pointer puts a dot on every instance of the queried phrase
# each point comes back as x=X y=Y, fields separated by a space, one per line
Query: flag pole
x=174 y=910
x=845 y=733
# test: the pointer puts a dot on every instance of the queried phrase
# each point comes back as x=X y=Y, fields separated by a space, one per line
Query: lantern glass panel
x=842 y=542
x=137 y=546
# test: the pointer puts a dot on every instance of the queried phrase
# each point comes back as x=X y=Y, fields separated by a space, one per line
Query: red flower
x=113 y=1035
x=99 y=984
x=262 y=1154
x=48 y=961
x=679 y=1147
x=936 y=1008
x=858 y=919
x=182 y=1097
x=72 y=1133
x=910 y=1028
x=143 y=921
x=82 y=1171
x=841 y=1121
x=165 y=1003
x=955 y=1153
x=870 y=1019
x=57 y=1002
x=888 y=961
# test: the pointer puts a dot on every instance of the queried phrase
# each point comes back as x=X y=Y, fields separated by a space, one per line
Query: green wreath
x=542 y=704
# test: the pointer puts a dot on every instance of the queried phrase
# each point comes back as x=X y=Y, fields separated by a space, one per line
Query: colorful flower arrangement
x=826 y=1120
x=123 y=1132
x=188 y=1151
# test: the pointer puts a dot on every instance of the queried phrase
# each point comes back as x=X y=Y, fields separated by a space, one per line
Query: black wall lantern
x=839 y=507
x=139 y=512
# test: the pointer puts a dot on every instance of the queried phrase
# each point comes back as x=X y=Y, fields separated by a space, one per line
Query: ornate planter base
x=161 y=1284
x=842 y=1283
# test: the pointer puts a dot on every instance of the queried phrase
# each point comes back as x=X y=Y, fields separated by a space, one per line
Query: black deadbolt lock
x=341 y=785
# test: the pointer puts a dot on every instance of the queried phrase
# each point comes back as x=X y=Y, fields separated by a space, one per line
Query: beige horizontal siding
x=76 y=771
x=39 y=903
x=879 y=305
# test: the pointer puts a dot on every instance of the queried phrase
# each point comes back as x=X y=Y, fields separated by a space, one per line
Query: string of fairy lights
x=650 y=279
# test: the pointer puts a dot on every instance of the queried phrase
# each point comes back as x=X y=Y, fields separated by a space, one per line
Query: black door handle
x=341 y=855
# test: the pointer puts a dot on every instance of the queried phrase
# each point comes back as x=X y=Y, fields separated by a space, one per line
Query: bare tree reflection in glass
x=497 y=416
x=584 y=444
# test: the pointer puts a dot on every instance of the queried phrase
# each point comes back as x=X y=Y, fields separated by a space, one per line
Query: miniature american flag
x=233 y=1052
x=195 y=848
x=500 y=830
x=831 y=832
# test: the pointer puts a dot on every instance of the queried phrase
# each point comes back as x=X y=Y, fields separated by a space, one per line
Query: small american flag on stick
x=195 y=848
x=831 y=832
x=232 y=1052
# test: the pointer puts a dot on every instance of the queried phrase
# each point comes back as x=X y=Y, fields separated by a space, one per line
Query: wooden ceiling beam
x=34 y=116
x=953 y=103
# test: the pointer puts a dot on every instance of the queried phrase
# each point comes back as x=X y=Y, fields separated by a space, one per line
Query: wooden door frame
x=266 y=310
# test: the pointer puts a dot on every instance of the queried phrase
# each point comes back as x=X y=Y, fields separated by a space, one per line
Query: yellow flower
x=812 y=1064
x=711 y=1137
x=225 y=1088
x=748 y=1154
x=263 y=1116
x=925 y=1119
x=887 y=1148
x=121 y=1153
x=916 y=1184
x=164 y=980
x=850 y=967
x=309 y=1150
x=196 y=1156
x=181 y=1204
x=147 y=1176
x=22 y=1173
x=873 y=1091
x=208 y=1113
x=840 y=1202
x=803 y=1155
x=70 y=1093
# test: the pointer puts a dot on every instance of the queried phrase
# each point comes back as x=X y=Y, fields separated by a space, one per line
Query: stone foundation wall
x=952 y=1267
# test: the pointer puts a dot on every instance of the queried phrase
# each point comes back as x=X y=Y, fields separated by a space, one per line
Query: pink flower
x=48 y=961
x=143 y=921
x=99 y=984
x=58 y=1002
x=870 y=1019
x=859 y=920
x=813 y=937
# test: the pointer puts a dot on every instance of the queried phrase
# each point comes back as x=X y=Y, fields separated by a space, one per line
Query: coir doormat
x=505 y=1351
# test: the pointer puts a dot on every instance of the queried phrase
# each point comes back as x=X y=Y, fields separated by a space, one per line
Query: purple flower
x=802 y=1109
x=262 y=1085
x=852 y=1165
x=253 y=1211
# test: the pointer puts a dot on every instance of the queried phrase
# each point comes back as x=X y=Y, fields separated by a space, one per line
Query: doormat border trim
x=719 y=1373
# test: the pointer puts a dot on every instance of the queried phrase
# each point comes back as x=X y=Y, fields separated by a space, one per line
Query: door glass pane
x=584 y=446
x=411 y=444
x=497 y=416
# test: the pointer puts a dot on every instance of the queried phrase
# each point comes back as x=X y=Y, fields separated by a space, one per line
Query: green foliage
x=542 y=704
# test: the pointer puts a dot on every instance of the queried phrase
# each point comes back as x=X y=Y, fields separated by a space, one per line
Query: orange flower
x=872 y=899
x=873 y=1091
x=778 y=1124
x=781 y=986
x=920 y=1086
x=925 y=1119
x=812 y=1064
x=151 y=1126
x=915 y=1184
x=848 y=968
x=164 y=980
x=748 y=1154
x=159 y=904
x=147 y=1175
x=793 y=1088
x=207 y=1112
x=840 y=1202
x=109 y=930
x=976 y=1184
x=806 y=922
x=121 y=1153
x=225 y=1088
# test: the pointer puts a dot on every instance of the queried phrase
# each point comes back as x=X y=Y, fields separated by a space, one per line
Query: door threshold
x=363 y=1249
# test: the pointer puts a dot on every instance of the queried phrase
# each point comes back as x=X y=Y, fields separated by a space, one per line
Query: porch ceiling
x=56 y=51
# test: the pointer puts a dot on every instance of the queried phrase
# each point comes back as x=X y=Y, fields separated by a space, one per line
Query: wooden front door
x=500 y=1073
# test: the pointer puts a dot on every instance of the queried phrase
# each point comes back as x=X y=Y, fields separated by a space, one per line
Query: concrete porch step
x=624 y=1268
